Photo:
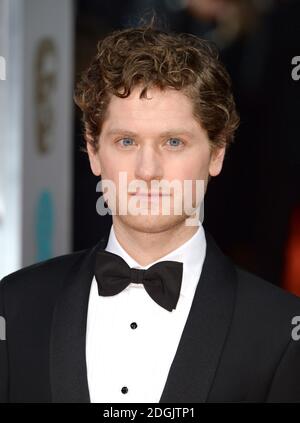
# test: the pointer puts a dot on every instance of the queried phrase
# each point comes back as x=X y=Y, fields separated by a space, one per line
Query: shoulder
x=41 y=276
x=253 y=293
x=264 y=306
x=263 y=292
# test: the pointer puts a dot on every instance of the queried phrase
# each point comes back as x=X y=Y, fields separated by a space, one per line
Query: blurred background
x=47 y=191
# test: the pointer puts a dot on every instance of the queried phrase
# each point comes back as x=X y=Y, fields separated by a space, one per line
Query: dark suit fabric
x=236 y=345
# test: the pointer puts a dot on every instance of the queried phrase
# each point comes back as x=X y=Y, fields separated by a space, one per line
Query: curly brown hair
x=151 y=57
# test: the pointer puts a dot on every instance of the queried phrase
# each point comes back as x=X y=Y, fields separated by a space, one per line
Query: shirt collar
x=191 y=254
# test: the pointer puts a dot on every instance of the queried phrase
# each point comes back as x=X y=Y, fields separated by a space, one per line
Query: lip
x=150 y=195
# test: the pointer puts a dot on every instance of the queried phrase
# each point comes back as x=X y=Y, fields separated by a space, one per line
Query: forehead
x=159 y=107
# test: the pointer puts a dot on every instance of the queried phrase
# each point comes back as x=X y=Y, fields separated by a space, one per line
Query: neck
x=147 y=247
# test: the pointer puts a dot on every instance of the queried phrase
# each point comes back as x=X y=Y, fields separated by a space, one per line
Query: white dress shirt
x=131 y=341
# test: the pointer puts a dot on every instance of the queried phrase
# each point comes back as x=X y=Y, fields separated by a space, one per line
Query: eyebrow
x=170 y=132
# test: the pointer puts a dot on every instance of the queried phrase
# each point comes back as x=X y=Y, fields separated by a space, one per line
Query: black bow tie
x=162 y=280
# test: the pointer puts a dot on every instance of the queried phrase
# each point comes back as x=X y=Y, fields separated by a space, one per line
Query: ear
x=93 y=157
x=216 y=160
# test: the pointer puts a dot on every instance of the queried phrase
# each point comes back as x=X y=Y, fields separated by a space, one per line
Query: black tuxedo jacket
x=236 y=345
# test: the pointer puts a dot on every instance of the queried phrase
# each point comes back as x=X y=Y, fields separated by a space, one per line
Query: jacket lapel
x=68 y=372
x=194 y=366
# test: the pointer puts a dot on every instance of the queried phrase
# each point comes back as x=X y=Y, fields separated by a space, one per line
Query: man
x=154 y=312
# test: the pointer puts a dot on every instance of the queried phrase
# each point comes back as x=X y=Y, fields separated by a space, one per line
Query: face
x=153 y=139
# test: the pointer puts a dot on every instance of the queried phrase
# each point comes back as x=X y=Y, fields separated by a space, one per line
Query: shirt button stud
x=124 y=390
x=133 y=325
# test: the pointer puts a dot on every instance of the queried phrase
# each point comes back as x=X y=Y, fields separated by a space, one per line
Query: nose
x=148 y=164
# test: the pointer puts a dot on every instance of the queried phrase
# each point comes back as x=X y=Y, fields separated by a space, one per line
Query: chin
x=151 y=224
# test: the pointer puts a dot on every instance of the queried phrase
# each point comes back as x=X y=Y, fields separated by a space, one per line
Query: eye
x=125 y=142
x=175 y=142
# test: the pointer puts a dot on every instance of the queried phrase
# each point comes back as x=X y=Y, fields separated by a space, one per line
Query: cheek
x=112 y=166
x=194 y=168
x=108 y=164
